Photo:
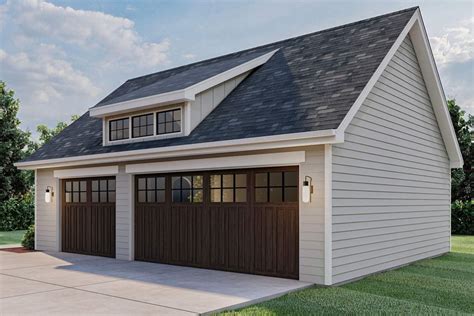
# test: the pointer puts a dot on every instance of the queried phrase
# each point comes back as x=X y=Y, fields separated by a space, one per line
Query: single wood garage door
x=240 y=220
x=88 y=216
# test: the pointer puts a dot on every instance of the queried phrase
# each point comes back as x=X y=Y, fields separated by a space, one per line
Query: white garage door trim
x=220 y=163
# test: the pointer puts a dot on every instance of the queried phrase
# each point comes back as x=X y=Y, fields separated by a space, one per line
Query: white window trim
x=155 y=136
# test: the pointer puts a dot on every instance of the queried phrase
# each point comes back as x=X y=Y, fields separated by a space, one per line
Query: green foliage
x=15 y=144
x=18 y=212
x=462 y=218
x=462 y=179
x=28 y=240
x=46 y=133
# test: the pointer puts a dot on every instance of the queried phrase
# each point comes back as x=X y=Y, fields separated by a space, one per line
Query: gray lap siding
x=391 y=177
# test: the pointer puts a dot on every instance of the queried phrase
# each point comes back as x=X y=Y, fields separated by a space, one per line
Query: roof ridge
x=278 y=42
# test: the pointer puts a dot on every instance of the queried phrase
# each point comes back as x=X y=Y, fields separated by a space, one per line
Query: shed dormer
x=171 y=103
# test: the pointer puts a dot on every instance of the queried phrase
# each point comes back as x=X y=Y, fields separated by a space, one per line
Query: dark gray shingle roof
x=308 y=85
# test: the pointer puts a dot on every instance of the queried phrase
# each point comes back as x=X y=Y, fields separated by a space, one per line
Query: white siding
x=124 y=216
x=391 y=177
x=312 y=219
x=207 y=101
x=47 y=217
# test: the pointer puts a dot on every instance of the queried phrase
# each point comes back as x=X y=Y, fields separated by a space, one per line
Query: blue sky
x=62 y=57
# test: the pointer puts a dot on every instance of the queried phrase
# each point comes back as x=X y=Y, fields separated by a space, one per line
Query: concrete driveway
x=62 y=283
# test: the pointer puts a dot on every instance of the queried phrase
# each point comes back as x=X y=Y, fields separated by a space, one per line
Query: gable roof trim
x=178 y=96
x=415 y=28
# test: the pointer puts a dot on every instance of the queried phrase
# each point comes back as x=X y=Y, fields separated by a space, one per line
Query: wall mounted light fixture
x=307 y=189
x=48 y=194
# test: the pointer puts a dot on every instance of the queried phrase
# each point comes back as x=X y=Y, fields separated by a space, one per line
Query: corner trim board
x=328 y=214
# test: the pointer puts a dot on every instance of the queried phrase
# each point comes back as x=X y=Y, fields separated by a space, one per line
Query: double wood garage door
x=88 y=216
x=243 y=220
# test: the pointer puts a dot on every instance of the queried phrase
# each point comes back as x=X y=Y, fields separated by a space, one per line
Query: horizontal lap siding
x=46 y=213
x=311 y=217
x=123 y=229
x=391 y=178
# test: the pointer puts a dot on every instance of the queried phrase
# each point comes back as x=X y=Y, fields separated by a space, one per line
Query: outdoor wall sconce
x=307 y=189
x=48 y=194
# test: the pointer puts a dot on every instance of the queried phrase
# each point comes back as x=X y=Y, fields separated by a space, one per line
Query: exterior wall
x=312 y=219
x=391 y=178
x=47 y=217
x=207 y=100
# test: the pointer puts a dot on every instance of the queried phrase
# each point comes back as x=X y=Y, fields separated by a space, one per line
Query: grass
x=13 y=237
x=442 y=285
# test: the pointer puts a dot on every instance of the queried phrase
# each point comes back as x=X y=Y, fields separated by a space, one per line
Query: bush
x=28 y=240
x=462 y=218
x=17 y=213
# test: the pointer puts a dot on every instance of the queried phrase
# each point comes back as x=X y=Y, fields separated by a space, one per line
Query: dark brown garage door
x=88 y=216
x=241 y=220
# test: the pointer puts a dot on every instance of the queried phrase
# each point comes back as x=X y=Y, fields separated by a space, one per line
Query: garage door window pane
x=142 y=196
x=216 y=195
x=228 y=180
x=261 y=179
x=83 y=197
x=240 y=195
x=68 y=197
x=176 y=196
x=276 y=179
x=95 y=185
x=160 y=183
x=160 y=196
x=228 y=195
x=261 y=194
x=291 y=178
x=276 y=195
x=186 y=195
x=216 y=181
x=241 y=180
x=197 y=195
x=75 y=197
x=150 y=196
x=150 y=185
x=291 y=194
x=95 y=197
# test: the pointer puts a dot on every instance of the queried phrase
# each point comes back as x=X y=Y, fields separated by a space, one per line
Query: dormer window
x=139 y=126
x=168 y=122
x=119 y=129
x=142 y=125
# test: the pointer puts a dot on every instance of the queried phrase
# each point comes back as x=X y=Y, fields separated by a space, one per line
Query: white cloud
x=60 y=61
x=456 y=45
x=114 y=36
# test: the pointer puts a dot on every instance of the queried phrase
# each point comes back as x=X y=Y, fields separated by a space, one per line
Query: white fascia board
x=140 y=104
x=220 y=147
x=220 y=163
x=420 y=41
x=435 y=90
x=86 y=172
x=178 y=96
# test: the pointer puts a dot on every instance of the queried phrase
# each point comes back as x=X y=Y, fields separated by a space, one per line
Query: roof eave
x=219 y=147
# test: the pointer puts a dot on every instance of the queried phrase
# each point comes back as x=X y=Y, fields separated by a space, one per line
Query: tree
x=462 y=179
x=46 y=134
x=15 y=144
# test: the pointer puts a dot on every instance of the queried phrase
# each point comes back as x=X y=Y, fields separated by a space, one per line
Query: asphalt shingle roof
x=309 y=84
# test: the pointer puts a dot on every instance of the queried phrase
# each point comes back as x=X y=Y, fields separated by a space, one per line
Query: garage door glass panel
x=187 y=189
x=151 y=189
x=276 y=187
x=103 y=191
x=76 y=192
x=228 y=188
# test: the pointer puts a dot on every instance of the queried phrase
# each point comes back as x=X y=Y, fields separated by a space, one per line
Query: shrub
x=17 y=213
x=462 y=218
x=28 y=240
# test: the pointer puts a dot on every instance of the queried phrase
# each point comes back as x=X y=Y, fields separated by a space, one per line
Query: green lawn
x=13 y=237
x=443 y=285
